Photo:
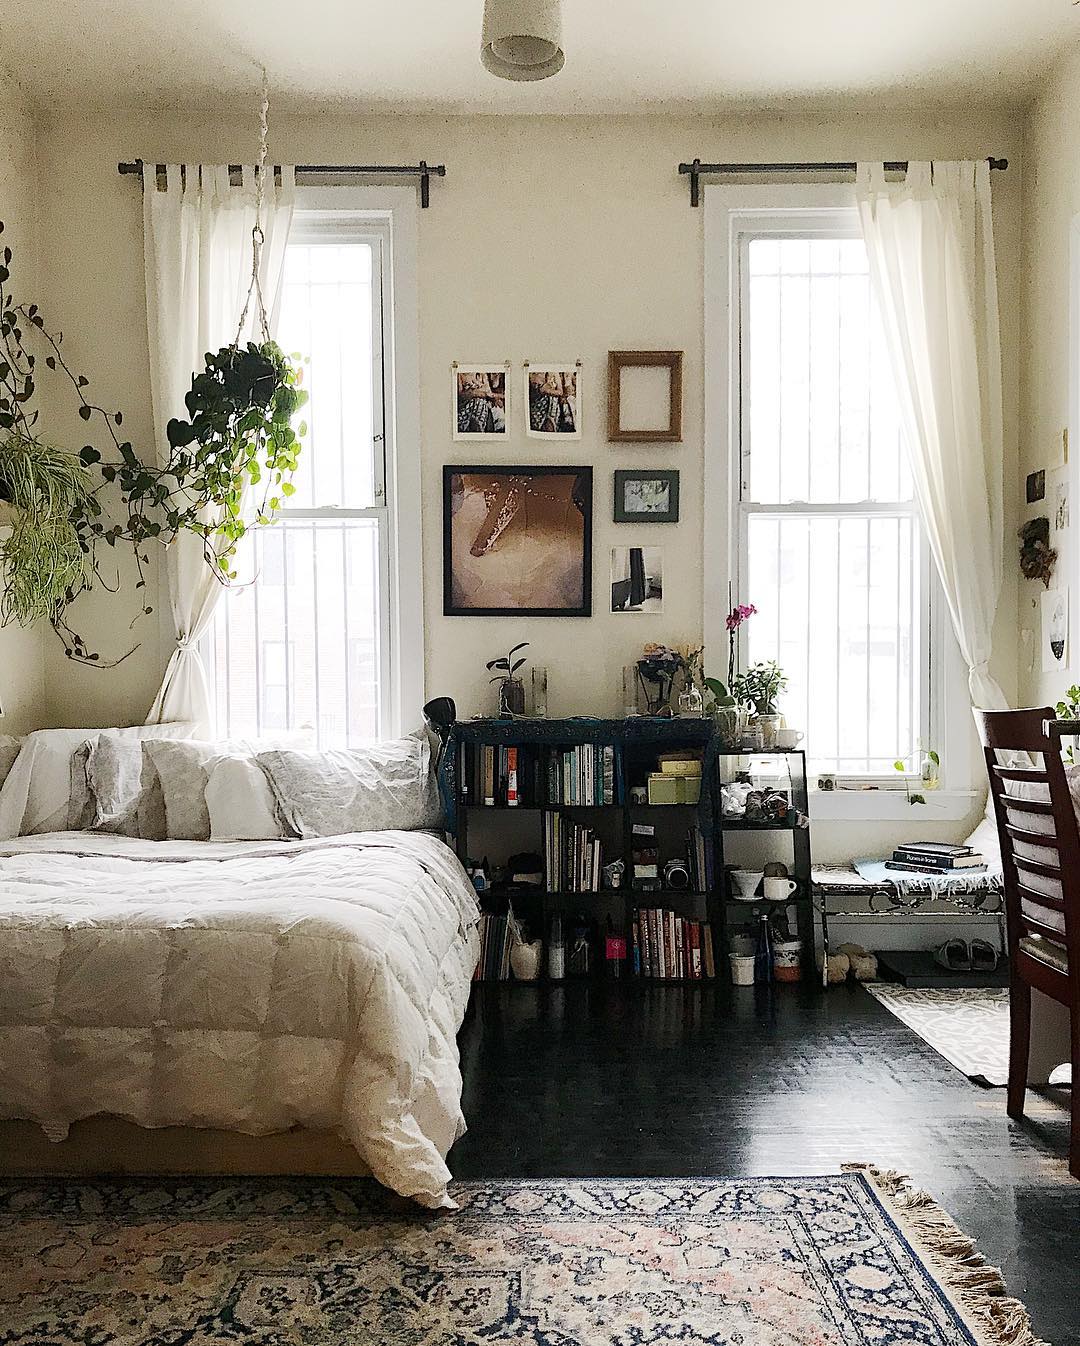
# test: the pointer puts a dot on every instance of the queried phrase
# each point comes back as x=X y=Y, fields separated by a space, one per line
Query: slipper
x=984 y=957
x=954 y=955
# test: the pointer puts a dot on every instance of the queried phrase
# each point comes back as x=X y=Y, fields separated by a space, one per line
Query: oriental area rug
x=852 y=1258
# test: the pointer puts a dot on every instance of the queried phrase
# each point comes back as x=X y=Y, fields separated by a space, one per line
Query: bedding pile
x=252 y=986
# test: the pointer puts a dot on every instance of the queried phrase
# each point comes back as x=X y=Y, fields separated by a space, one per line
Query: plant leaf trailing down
x=238 y=435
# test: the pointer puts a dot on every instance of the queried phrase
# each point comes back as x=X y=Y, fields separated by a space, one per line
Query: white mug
x=788 y=738
x=777 y=890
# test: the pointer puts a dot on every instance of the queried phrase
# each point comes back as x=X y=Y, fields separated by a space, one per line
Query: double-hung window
x=826 y=540
x=312 y=641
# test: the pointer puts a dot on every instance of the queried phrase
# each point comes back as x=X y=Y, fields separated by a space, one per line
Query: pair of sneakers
x=962 y=955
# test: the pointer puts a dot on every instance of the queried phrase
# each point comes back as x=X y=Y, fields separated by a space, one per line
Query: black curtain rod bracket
x=697 y=170
x=423 y=170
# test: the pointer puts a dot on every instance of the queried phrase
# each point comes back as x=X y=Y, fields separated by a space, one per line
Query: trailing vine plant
x=239 y=433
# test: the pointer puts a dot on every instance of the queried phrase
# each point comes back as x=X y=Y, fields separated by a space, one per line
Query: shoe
x=954 y=955
x=984 y=957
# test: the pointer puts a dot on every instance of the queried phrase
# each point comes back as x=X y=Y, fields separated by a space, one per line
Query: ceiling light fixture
x=522 y=39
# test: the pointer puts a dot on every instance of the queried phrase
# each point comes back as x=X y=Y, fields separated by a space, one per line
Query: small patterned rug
x=968 y=1026
x=852 y=1259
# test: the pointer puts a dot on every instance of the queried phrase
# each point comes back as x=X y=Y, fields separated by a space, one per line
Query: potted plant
x=726 y=709
x=511 y=688
x=760 y=686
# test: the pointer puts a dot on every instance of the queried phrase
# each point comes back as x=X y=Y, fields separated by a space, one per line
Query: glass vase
x=511 y=698
x=540 y=692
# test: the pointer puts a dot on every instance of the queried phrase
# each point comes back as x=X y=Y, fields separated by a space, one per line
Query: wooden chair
x=1040 y=860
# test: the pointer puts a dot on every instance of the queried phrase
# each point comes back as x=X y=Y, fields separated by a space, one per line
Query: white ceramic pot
x=744 y=884
x=525 y=960
x=742 y=969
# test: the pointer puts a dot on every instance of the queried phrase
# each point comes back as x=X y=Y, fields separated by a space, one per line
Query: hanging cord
x=257 y=235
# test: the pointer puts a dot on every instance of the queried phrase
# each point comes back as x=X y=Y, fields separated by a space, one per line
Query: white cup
x=788 y=738
x=778 y=890
x=742 y=969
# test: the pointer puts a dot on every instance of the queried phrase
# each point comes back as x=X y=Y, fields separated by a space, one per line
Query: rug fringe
x=995 y=1317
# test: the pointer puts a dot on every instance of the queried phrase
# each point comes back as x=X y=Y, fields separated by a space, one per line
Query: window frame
x=387 y=218
x=733 y=215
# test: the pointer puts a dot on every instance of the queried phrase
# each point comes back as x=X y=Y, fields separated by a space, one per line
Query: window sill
x=890 y=806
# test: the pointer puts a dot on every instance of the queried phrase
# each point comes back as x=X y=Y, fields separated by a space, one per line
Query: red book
x=511 y=776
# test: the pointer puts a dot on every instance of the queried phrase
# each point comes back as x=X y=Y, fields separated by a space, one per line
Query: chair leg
x=1074 y=1119
x=1019 y=1043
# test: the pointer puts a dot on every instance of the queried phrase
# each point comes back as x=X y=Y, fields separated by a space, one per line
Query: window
x=827 y=542
x=316 y=643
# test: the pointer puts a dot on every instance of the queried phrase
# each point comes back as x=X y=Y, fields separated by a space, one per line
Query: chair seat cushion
x=1046 y=951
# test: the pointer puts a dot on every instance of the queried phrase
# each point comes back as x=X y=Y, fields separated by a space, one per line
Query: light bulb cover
x=522 y=39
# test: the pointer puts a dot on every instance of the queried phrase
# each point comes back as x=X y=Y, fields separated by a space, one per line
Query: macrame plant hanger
x=257 y=235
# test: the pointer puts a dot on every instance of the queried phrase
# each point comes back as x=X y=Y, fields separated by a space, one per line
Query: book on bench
x=935 y=857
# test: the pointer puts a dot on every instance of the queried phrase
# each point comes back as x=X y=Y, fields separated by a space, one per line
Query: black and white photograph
x=553 y=400
x=481 y=401
x=646 y=497
x=637 y=579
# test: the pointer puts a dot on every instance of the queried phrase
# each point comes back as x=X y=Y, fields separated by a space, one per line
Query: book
x=512 y=776
x=946 y=849
x=945 y=862
x=489 y=774
x=913 y=867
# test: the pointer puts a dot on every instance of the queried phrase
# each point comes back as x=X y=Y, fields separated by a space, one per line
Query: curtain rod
x=697 y=170
x=424 y=171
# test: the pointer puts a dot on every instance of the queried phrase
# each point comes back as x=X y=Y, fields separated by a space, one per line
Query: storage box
x=669 y=789
x=680 y=766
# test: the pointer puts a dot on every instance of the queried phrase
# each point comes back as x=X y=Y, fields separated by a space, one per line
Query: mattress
x=247 y=986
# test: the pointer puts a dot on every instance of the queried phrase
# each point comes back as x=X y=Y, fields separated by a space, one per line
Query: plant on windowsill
x=929 y=765
x=760 y=686
x=1069 y=709
x=511 y=689
x=239 y=433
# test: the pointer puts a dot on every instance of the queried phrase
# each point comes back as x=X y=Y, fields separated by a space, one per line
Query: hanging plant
x=239 y=434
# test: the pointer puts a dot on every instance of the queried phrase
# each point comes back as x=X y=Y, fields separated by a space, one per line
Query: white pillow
x=388 y=785
x=36 y=797
x=240 y=802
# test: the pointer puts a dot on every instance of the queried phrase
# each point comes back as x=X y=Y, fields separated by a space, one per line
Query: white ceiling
x=621 y=55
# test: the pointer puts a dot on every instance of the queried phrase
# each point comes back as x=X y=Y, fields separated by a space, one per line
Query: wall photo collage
x=517 y=540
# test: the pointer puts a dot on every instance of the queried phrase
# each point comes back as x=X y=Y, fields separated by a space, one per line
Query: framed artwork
x=645 y=397
x=646 y=497
x=517 y=541
x=553 y=400
x=1055 y=630
x=481 y=400
x=637 y=579
x=1035 y=486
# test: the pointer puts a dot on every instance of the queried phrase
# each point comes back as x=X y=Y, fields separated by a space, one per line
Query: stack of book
x=671 y=947
x=529 y=775
x=935 y=857
x=573 y=856
x=494 y=964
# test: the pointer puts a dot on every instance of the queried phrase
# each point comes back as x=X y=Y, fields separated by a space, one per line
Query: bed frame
x=109 y=1146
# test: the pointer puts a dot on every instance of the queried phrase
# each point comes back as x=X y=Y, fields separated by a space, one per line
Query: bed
x=243 y=988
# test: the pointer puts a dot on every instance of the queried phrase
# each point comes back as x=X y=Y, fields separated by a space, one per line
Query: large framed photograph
x=553 y=400
x=647 y=497
x=481 y=401
x=517 y=541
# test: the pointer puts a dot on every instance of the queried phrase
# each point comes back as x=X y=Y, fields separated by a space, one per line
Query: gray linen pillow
x=388 y=785
x=181 y=767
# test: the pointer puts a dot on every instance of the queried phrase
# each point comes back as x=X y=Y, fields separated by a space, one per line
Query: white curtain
x=197 y=244
x=931 y=248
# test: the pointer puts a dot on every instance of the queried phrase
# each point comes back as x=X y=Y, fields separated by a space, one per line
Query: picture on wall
x=517 y=541
x=1055 y=630
x=553 y=400
x=481 y=401
x=637 y=579
x=646 y=497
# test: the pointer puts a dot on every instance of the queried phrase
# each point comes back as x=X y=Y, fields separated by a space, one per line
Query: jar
x=770 y=727
x=540 y=692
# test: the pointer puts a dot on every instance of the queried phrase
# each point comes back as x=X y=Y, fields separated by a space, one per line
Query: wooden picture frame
x=618 y=361
x=662 y=507
x=517 y=541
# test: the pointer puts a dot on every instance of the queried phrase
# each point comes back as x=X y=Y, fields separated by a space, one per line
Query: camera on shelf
x=677 y=874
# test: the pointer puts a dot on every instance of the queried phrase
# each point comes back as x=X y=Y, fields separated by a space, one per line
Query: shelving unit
x=788 y=768
x=636 y=744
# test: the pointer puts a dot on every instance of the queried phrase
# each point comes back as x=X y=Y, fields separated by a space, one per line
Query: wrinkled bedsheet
x=251 y=986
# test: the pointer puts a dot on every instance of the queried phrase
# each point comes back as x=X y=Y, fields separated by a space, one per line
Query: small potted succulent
x=511 y=688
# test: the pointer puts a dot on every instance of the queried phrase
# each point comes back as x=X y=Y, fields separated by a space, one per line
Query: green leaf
x=899 y=766
x=934 y=757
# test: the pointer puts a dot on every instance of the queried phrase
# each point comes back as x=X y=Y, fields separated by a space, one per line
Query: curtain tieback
x=981 y=669
x=184 y=644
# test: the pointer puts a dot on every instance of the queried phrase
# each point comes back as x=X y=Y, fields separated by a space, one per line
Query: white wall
x=1051 y=204
x=549 y=238
x=21 y=651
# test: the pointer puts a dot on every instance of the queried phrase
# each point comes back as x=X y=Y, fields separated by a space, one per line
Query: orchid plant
x=725 y=696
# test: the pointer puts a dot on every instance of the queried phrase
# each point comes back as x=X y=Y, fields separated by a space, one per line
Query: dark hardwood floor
x=619 y=1081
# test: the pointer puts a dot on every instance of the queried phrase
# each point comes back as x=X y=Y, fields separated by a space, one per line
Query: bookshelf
x=540 y=786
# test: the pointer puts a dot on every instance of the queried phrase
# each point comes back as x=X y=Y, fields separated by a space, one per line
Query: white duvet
x=251 y=986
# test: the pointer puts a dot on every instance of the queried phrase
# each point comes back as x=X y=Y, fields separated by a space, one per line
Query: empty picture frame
x=645 y=397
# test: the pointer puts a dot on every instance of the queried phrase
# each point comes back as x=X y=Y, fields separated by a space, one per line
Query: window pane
x=326 y=317
x=837 y=600
x=822 y=423
x=300 y=649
